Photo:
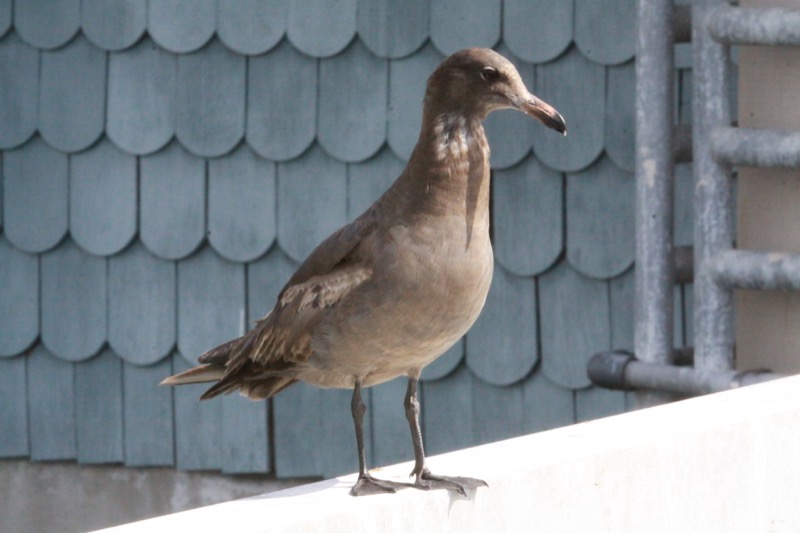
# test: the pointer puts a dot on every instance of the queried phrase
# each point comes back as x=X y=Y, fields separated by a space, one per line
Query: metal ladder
x=716 y=147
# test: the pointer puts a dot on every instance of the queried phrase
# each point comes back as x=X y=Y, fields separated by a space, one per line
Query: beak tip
x=546 y=114
x=557 y=123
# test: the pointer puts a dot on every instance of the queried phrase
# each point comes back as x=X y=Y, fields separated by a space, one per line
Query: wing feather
x=288 y=332
x=282 y=338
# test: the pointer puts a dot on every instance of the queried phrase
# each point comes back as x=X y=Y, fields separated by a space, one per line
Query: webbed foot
x=367 y=485
x=428 y=481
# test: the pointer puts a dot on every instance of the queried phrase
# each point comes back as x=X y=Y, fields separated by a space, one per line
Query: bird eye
x=489 y=73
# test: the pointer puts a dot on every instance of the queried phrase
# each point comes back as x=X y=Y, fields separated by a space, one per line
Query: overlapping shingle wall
x=166 y=165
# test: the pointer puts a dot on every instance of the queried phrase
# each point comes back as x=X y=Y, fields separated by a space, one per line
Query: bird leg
x=424 y=479
x=366 y=484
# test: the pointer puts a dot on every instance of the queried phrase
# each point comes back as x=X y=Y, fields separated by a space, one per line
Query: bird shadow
x=343 y=487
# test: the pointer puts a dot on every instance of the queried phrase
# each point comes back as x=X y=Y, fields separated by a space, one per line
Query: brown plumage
x=390 y=292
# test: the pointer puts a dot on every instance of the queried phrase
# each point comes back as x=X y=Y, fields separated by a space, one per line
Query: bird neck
x=448 y=172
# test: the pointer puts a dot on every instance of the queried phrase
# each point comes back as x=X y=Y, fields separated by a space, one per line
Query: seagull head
x=477 y=81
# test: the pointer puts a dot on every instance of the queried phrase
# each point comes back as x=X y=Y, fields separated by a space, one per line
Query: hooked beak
x=543 y=112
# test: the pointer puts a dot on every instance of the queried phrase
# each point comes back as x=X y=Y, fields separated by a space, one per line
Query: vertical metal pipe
x=713 y=233
x=654 y=187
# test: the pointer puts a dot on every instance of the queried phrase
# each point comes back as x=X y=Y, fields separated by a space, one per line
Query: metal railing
x=716 y=147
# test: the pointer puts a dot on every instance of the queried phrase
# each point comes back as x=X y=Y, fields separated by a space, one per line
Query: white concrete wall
x=728 y=462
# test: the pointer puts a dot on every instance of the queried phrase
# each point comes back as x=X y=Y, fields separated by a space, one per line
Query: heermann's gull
x=393 y=290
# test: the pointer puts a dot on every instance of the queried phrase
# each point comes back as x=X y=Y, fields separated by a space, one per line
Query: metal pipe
x=621 y=371
x=713 y=305
x=654 y=185
x=756 y=26
x=682 y=143
x=683 y=258
x=683 y=356
x=756 y=148
x=756 y=270
x=682 y=24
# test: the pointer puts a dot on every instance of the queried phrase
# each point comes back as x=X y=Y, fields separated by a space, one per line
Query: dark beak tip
x=541 y=111
x=547 y=115
x=563 y=129
x=557 y=123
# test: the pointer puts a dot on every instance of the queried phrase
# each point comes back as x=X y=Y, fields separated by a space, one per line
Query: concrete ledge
x=725 y=462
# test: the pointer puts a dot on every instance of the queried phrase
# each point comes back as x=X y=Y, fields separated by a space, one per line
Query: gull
x=390 y=292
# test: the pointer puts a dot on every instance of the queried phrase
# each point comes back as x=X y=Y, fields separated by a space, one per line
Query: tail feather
x=230 y=366
x=266 y=388
x=225 y=386
x=255 y=390
x=221 y=354
x=198 y=374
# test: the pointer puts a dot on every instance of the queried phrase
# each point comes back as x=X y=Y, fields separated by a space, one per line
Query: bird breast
x=428 y=289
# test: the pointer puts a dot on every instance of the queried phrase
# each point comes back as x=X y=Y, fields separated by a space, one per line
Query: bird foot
x=368 y=485
x=428 y=481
